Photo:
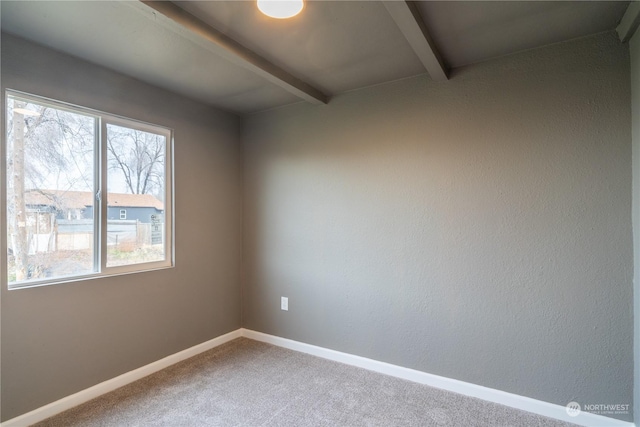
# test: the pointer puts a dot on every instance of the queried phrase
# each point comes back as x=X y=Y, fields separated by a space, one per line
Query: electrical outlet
x=284 y=303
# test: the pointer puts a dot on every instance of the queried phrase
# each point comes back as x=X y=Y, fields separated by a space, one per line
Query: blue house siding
x=141 y=214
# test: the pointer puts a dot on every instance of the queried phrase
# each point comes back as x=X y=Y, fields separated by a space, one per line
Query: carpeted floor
x=248 y=383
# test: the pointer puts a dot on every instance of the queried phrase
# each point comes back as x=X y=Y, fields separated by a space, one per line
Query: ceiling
x=227 y=54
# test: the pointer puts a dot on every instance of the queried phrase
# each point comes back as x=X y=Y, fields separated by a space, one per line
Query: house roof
x=81 y=199
x=134 y=200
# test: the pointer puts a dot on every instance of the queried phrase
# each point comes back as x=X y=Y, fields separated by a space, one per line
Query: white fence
x=79 y=235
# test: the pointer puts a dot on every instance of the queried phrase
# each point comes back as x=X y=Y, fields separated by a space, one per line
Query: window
x=71 y=176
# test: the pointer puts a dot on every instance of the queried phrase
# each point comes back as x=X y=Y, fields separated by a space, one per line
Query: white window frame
x=100 y=182
x=123 y=214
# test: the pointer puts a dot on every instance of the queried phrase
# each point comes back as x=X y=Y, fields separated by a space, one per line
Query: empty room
x=320 y=213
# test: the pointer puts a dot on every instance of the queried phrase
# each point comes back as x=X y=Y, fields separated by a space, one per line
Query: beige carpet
x=248 y=383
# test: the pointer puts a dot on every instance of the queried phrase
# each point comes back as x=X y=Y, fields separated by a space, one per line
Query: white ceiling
x=467 y=32
x=334 y=46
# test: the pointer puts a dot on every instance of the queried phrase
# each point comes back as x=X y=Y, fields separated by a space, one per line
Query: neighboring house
x=74 y=205
x=58 y=220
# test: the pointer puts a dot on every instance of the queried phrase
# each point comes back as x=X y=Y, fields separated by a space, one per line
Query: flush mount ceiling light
x=280 y=9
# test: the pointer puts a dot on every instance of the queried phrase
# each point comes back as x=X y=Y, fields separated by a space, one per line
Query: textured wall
x=478 y=229
x=57 y=340
x=634 y=47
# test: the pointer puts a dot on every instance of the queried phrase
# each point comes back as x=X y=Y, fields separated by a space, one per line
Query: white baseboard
x=508 y=399
x=492 y=395
x=85 y=395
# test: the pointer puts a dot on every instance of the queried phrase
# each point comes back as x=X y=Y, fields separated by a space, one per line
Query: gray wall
x=634 y=47
x=57 y=340
x=478 y=229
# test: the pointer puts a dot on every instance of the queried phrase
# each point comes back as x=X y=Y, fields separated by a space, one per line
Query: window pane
x=135 y=198
x=50 y=191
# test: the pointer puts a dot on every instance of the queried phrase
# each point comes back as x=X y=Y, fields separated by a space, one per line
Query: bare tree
x=46 y=149
x=19 y=220
x=139 y=157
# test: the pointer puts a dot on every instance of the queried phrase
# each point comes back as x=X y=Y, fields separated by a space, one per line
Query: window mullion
x=102 y=223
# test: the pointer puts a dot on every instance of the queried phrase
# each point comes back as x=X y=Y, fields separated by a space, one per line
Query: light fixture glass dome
x=280 y=9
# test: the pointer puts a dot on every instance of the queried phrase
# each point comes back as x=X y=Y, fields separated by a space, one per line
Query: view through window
x=61 y=160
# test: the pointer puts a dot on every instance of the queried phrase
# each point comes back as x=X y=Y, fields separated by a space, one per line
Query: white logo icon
x=573 y=409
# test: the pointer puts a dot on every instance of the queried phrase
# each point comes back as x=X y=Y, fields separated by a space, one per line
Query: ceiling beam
x=169 y=15
x=407 y=17
x=629 y=22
